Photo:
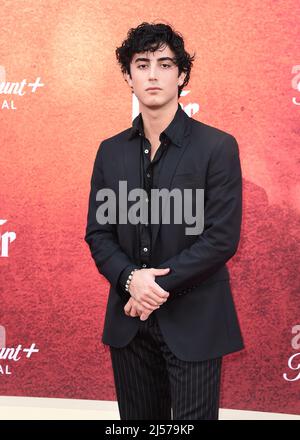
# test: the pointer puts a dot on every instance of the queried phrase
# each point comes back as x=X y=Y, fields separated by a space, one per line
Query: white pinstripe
x=149 y=379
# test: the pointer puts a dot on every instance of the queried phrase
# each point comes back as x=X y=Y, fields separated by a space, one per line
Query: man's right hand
x=145 y=290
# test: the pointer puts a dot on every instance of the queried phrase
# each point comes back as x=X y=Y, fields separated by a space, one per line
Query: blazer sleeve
x=219 y=239
x=109 y=258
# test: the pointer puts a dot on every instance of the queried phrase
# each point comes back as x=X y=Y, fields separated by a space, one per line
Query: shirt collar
x=174 y=131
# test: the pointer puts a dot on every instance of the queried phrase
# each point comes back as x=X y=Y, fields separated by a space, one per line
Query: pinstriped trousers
x=153 y=384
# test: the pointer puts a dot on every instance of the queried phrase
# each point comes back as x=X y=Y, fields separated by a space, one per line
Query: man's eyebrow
x=158 y=59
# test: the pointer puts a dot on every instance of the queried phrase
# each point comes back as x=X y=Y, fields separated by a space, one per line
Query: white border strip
x=37 y=408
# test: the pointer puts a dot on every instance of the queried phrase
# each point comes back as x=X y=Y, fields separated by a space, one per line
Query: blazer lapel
x=167 y=172
x=131 y=156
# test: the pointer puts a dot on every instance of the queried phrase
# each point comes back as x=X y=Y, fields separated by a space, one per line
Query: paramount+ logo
x=10 y=355
x=9 y=91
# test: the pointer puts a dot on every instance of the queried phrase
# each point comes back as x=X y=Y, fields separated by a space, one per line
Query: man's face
x=155 y=69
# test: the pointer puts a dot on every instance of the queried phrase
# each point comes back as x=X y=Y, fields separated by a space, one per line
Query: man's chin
x=154 y=104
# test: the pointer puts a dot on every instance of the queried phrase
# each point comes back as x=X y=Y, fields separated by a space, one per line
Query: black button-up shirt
x=150 y=173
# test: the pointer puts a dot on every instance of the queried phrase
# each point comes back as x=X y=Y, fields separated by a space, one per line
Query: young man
x=170 y=315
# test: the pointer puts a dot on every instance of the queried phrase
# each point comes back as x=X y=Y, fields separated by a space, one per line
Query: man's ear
x=181 y=78
x=128 y=79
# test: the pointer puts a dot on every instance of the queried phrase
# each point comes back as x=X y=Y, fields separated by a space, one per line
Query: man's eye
x=144 y=65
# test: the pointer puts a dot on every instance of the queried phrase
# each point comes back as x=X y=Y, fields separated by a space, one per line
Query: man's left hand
x=134 y=308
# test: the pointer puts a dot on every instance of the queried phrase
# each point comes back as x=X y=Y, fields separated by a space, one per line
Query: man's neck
x=157 y=120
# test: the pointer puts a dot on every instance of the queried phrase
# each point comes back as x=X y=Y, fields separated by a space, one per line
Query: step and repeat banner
x=61 y=94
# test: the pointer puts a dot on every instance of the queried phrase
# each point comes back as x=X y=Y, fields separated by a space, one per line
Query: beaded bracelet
x=129 y=280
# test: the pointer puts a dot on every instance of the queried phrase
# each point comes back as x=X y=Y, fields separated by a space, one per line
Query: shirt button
x=144 y=265
x=147 y=200
x=146 y=151
x=148 y=174
x=145 y=249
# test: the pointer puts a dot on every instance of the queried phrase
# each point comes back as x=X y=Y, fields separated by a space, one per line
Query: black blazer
x=199 y=320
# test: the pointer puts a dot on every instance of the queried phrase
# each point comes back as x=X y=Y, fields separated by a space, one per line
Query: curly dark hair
x=150 y=37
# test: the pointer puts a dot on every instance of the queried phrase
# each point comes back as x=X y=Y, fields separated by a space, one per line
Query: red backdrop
x=245 y=80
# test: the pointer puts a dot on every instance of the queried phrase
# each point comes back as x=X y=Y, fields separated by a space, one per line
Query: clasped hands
x=146 y=294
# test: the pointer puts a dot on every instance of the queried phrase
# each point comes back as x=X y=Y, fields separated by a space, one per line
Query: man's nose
x=153 y=72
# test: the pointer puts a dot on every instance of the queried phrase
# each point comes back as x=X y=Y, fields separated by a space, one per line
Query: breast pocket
x=186 y=180
x=189 y=204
